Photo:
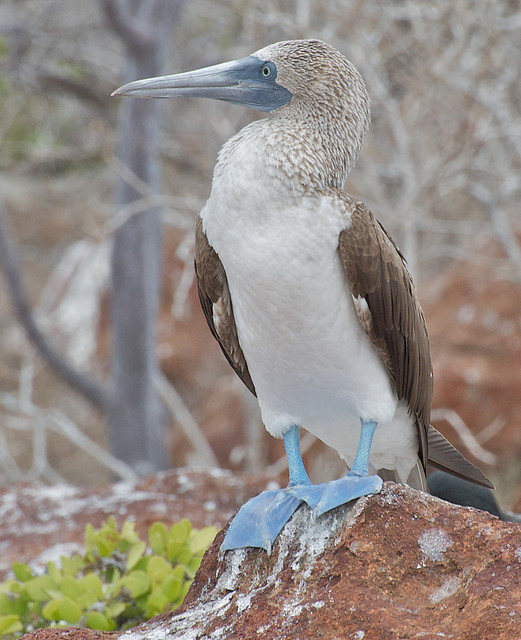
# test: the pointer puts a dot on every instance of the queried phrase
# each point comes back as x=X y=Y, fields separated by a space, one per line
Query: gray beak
x=245 y=82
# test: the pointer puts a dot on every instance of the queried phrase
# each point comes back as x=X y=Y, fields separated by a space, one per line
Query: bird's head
x=306 y=80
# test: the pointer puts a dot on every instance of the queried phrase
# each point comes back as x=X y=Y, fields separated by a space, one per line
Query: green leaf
x=185 y=589
x=157 y=537
x=71 y=587
x=106 y=542
x=201 y=539
x=136 y=582
x=71 y=566
x=90 y=537
x=158 y=569
x=184 y=556
x=195 y=563
x=7 y=605
x=173 y=548
x=13 y=605
x=156 y=603
x=91 y=589
x=180 y=530
x=114 y=609
x=22 y=572
x=69 y=611
x=10 y=586
x=86 y=600
x=51 y=610
x=39 y=588
x=128 y=532
x=98 y=620
x=189 y=573
x=60 y=609
x=10 y=624
x=141 y=565
x=54 y=572
x=135 y=554
x=172 y=585
x=91 y=583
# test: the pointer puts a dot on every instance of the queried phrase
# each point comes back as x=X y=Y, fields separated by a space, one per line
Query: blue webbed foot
x=327 y=496
x=260 y=520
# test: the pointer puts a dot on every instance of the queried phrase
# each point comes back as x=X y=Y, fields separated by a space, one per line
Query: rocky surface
x=400 y=564
x=40 y=522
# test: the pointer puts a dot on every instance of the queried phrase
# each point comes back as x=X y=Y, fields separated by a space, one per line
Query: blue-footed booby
x=306 y=293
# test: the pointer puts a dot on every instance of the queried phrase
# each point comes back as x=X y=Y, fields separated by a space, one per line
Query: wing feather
x=216 y=302
x=394 y=321
x=376 y=272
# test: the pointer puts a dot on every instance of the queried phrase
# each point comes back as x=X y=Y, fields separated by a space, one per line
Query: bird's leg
x=357 y=483
x=260 y=520
x=297 y=472
x=361 y=462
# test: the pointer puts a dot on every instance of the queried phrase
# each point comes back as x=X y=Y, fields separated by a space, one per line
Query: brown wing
x=384 y=297
x=217 y=305
x=383 y=293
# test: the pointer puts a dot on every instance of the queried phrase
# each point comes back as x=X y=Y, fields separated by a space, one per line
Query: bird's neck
x=294 y=153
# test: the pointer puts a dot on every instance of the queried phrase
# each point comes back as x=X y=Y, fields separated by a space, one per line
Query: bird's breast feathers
x=307 y=353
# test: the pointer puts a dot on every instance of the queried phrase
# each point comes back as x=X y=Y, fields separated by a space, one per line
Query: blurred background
x=107 y=368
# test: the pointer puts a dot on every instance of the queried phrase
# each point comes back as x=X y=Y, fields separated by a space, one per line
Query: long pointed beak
x=240 y=81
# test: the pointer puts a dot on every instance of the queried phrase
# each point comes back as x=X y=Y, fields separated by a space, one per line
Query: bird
x=306 y=293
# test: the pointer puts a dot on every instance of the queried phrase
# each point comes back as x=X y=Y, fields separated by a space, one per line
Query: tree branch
x=130 y=29
x=89 y=388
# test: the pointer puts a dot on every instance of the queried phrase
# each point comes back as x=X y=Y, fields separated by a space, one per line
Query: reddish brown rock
x=397 y=565
x=401 y=564
x=71 y=634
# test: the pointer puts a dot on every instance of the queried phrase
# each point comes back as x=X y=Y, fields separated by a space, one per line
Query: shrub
x=118 y=583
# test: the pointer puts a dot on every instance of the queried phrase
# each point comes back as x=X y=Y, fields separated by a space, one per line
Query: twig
x=184 y=418
x=60 y=423
x=130 y=29
x=186 y=254
x=9 y=264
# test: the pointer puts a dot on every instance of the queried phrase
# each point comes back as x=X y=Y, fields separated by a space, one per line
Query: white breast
x=311 y=362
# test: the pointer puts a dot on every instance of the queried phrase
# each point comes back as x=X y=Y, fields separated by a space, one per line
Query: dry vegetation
x=441 y=168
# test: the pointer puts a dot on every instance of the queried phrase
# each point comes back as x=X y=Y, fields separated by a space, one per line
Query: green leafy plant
x=119 y=582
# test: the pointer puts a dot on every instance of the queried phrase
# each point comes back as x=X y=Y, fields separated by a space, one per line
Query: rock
x=71 y=634
x=401 y=564
x=41 y=522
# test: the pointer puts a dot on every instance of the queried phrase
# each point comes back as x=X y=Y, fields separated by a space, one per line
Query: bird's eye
x=266 y=70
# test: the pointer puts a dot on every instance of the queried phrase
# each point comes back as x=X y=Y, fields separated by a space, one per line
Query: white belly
x=310 y=361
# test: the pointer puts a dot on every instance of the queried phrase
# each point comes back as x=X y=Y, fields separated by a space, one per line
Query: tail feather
x=443 y=456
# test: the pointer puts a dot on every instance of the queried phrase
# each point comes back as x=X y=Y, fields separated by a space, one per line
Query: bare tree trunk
x=136 y=417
